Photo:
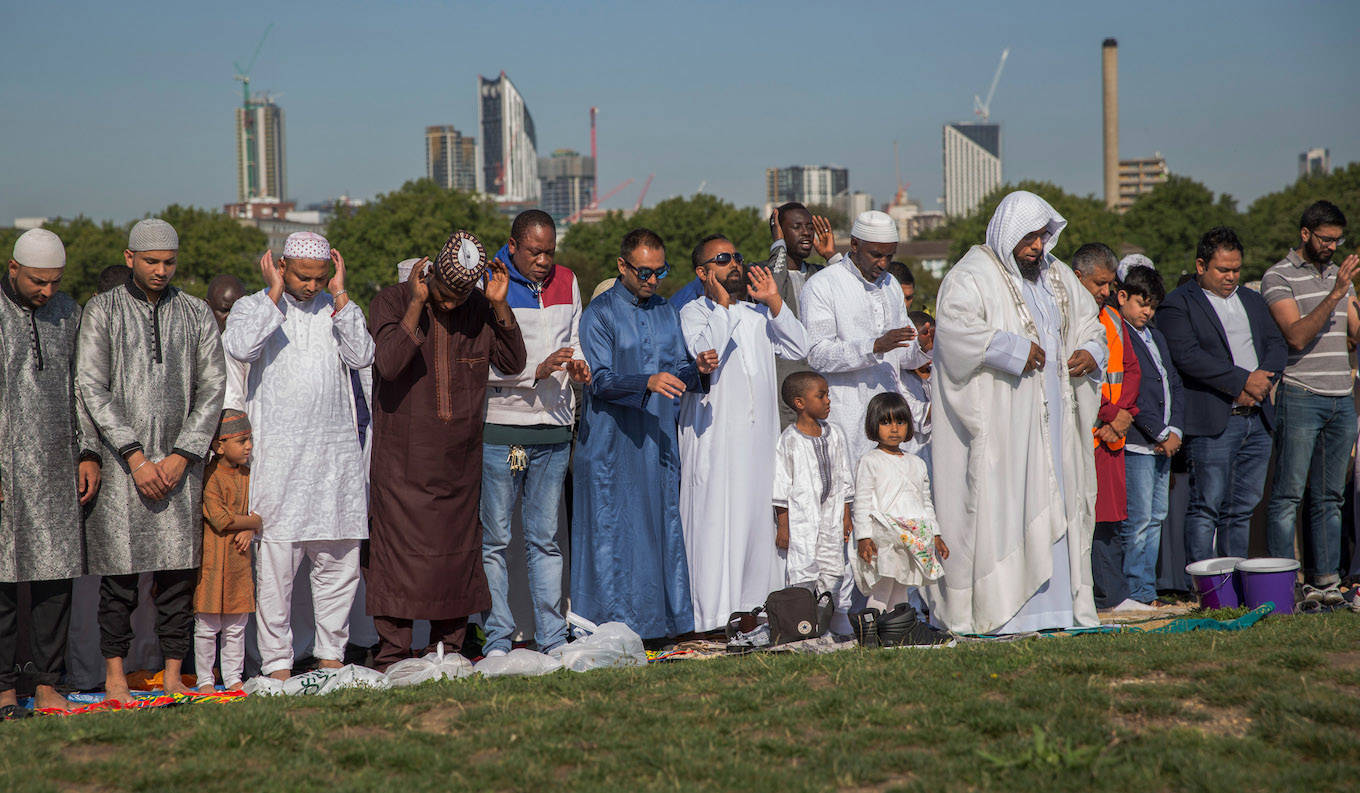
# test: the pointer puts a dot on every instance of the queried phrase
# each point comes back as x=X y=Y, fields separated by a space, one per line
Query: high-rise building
x=972 y=165
x=1138 y=177
x=1315 y=162
x=260 y=170
x=450 y=158
x=852 y=204
x=566 y=183
x=509 y=147
x=807 y=184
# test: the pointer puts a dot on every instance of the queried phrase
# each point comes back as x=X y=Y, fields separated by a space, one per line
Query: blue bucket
x=1216 y=581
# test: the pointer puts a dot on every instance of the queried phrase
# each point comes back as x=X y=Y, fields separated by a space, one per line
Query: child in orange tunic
x=225 y=597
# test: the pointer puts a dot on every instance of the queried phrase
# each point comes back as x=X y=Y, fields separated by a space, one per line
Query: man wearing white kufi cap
x=47 y=445
x=149 y=370
x=301 y=336
x=861 y=338
x=1019 y=351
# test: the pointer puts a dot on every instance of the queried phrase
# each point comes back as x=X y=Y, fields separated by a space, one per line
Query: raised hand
x=707 y=361
x=498 y=281
x=420 y=287
x=714 y=289
x=553 y=363
x=776 y=232
x=763 y=289
x=1346 y=274
x=823 y=240
x=272 y=275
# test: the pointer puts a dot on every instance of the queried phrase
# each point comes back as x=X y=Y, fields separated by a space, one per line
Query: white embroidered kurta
x=307 y=470
x=1011 y=452
x=844 y=315
x=892 y=486
x=727 y=441
x=816 y=503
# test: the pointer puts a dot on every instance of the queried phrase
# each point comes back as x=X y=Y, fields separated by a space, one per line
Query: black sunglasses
x=724 y=258
x=645 y=273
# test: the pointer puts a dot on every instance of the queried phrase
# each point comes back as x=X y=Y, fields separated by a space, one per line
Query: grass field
x=1272 y=708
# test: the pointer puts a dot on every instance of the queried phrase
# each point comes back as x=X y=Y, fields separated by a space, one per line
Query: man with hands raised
x=300 y=336
x=628 y=553
x=724 y=497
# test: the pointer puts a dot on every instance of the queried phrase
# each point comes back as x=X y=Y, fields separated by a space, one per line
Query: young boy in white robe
x=812 y=492
x=897 y=542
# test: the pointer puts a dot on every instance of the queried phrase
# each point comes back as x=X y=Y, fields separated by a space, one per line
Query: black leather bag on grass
x=795 y=614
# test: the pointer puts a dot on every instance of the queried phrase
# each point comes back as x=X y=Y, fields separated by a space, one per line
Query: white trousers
x=335 y=580
x=232 y=628
x=888 y=593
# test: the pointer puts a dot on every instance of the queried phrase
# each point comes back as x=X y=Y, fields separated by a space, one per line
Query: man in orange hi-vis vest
x=1095 y=265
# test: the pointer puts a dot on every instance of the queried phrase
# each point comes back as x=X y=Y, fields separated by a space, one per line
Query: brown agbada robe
x=424 y=555
x=225 y=585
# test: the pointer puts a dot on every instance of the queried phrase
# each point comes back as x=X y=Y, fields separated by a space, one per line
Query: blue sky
x=115 y=110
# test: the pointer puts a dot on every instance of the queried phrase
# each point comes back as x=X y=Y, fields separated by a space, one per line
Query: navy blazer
x=1148 y=425
x=1199 y=350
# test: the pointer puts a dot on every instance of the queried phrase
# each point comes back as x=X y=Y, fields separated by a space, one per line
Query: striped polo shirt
x=1324 y=366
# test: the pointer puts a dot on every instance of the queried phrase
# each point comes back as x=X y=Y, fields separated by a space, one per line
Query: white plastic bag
x=613 y=644
x=434 y=666
x=325 y=681
x=520 y=662
x=263 y=686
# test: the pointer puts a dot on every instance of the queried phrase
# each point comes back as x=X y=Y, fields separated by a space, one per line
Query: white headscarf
x=1019 y=214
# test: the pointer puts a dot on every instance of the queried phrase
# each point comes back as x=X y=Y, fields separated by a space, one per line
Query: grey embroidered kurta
x=43 y=435
x=152 y=378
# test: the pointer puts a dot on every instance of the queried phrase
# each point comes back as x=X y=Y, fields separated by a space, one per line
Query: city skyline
x=357 y=83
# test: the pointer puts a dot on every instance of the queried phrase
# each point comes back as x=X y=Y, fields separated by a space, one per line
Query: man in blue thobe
x=627 y=550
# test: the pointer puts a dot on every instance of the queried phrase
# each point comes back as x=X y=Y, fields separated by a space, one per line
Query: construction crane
x=597 y=202
x=243 y=75
x=643 y=194
x=982 y=108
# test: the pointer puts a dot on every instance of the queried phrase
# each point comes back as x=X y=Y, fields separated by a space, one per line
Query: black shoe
x=923 y=634
x=894 y=626
x=14 y=712
x=865 y=627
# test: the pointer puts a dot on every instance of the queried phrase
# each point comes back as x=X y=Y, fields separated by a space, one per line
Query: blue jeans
x=1148 y=477
x=1313 y=439
x=540 y=484
x=1227 y=474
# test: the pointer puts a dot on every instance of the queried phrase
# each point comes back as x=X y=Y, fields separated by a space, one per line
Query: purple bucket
x=1269 y=580
x=1216 y=582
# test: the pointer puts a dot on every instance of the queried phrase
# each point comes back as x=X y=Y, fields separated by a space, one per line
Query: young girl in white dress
x=897 y=541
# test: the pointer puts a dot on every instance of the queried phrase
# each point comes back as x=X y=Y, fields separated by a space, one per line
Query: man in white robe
x=861 y=338
x=1018 y=356
x=728 y=435
x=307 y=477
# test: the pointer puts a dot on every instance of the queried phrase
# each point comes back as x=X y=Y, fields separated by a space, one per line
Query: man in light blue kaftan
x=627 y=552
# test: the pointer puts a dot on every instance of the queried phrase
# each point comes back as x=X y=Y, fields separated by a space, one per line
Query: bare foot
x=115 y=682
x=206 y=689
x=326 y=663
x=9 y=697
x=281 y=674
x=237 y=686
x=171 y=679
x=47 y=698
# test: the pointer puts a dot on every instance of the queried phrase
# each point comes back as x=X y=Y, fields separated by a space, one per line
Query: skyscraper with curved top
x=509 y=148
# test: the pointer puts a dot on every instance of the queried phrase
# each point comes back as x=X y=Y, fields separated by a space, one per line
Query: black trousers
x=1110 y=587
x=173 y=591
x=49 y=618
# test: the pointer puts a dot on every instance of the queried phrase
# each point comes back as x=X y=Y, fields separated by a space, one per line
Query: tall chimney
x=1109 y=71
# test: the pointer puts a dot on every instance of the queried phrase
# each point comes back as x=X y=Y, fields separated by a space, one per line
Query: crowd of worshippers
x=1000 y=467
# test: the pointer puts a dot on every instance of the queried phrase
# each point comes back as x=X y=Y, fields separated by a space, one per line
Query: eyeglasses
x=724 y=258
x=1326 y=241
x=645 y=274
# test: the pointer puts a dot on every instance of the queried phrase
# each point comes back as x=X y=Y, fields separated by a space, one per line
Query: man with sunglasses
x=728 y=435
x=627 y=552
x=1312 y=300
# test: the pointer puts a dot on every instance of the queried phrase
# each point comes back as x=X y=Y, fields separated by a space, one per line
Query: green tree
x=1087 y=221
x=415 y=220
x=1168 y=222
x=592 y=249
x=1271 y=223
x=211 y=243
x=837 y=219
